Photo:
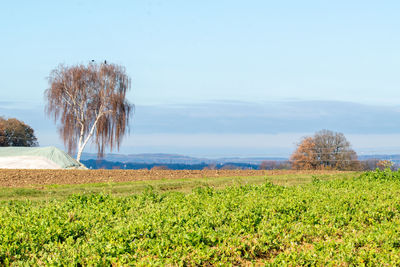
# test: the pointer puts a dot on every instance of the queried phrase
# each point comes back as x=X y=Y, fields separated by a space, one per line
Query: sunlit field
x=292 y=219
x=49 y=184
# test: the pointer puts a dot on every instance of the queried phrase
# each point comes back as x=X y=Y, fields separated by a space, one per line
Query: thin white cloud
x=249 y=144
x=269 y=117
x=263 y=141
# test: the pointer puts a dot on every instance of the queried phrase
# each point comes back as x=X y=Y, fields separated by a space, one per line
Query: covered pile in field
x=36 y=158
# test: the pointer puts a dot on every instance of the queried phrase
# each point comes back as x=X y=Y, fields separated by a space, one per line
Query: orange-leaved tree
x=305 y=158
x=325 y=150
x=89 y=101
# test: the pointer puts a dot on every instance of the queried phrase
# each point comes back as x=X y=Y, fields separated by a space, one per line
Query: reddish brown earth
x=23 y=178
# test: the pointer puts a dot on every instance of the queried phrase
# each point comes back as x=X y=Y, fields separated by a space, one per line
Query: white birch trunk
x=81 y=145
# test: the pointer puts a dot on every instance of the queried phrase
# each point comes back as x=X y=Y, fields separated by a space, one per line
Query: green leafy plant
x=339 y=222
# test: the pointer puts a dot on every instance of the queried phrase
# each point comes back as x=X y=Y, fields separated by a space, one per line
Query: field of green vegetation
x=344 y=221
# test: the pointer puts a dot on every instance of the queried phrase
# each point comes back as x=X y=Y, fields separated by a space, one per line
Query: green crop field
x=345 y=221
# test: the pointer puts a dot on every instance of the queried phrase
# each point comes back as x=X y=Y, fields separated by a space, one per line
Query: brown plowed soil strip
x=24 y=178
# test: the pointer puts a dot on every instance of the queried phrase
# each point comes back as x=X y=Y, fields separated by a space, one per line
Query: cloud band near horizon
x=239 y=128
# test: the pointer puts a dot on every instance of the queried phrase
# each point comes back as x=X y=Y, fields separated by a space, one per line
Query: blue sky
x=217 y=77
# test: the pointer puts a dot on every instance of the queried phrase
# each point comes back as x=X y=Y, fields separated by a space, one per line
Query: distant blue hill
x=181 y=162
x=160 y=158
x=176 y=158
x=395 y=158
x=104 y=164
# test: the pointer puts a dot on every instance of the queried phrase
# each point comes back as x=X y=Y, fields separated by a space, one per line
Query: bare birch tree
x=89 y=101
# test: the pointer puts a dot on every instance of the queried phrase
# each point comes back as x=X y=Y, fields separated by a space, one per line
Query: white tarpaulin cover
x=36 y=158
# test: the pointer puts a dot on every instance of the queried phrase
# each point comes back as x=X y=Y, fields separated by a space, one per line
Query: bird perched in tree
x=105 y=61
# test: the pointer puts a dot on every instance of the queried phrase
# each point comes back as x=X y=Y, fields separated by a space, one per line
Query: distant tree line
x=104 y=164
x=275 y=165
x=364 y=165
